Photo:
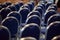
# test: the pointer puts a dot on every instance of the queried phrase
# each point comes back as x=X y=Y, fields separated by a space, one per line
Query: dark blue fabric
x=54 y=18
x=31 y=6
x=53 y=31
x=4 y=34
x=40 y=6
x=48 y=4
x=34 y=19
x=12 y=7
x=35 y=13
x=12 y=25
x=8 y=3
x=4 y=5
x=18 y=5
x=40 y=10
x=4 y=12
x=17 y=15
x=31 y=31
x=50 y=13
x=24 y=12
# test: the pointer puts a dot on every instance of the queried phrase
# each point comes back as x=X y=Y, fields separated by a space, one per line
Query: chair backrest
x=18 y=5
x=31 y=30
x=28 y=38
x=43 y=4
x=49 y=8
x=12 y=7
x=40 y=5
x=4 y=12
x=32 y=2
x=8 y=3
x=12 y=24
x=52 y=7
x=48 y=4
x=31 y=6
x=53 y=18
x=40 y=10
x=4 y=5
x=15 y=14
x=48 y=14
x=53 y=30
x=34 y=13
x=33 y=19
x=24 y=12
x=4 y=33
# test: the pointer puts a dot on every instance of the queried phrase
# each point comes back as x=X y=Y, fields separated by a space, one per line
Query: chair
x=53 y=30
x=43 y=4
x=4 y=33
x=24 y=12
x=51 y=8
x=15 y=14
x=53 y=18
x=31 y=30
x=21 y=3
x=34 y=13
x=54 y=5
x=12 y=7
x=40 y=5
x=33 y=19
x=12 y=24
x=31 y=6
x=40 y=10
x=8 y=3
x=25 y=5
x=4 y=5
x=4 y=12
x=32 y=2
x=48 y=14
x=18 y=5
x=48 y=4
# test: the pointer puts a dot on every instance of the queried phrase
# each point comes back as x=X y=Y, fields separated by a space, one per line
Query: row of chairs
x=32 y=30
x=11 y=6
x=31 y=16
x=12 y=23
